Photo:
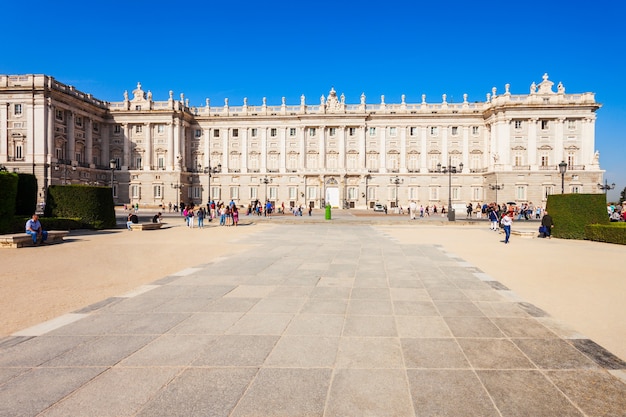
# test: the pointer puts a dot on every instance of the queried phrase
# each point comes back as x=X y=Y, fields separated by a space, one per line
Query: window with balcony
x=273 y=132
x=235 y=133
x=17 y=109
x=216 y=133
x=292 y=131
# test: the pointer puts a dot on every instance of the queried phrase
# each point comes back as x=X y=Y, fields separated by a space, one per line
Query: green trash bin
x=327 y=212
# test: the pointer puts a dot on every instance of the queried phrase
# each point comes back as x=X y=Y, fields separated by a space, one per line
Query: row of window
x=332 y=131
x=545 y=124
x=352 y=193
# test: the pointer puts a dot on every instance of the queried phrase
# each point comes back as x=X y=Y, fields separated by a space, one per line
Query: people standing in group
x=507 y=223
x=547 y=223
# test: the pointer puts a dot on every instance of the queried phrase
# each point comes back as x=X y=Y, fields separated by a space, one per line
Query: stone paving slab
x=318 y=320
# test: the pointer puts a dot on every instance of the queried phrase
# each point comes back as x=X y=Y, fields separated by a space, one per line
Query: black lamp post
x=497 y=187
x=210 y=171
x=397 y=181
x=265 y=181
x=562 y=170
x=450 y=170
x=606 y=187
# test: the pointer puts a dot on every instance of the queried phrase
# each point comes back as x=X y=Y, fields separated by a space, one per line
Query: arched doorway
x=332 y=193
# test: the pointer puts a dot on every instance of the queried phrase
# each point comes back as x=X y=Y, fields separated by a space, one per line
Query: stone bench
x=528 y=234
x=138 y=227
x=19 y=240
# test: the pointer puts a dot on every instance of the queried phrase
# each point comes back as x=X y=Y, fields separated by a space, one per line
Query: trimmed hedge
x=573 y=212
x=18 y=223
x=8 y=192
x=92 y=205
x=611 y=233
x=26 y=199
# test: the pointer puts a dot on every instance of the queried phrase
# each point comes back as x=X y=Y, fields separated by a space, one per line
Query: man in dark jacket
x=547 y=223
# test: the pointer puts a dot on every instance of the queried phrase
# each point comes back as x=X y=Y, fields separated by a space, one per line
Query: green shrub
x=92 y=205
x=610 y=233
x=26 y=199
x=8 y=193
x=572 y=212
x=17 y=224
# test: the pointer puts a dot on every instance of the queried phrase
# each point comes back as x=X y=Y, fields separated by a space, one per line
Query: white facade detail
x=324 y=152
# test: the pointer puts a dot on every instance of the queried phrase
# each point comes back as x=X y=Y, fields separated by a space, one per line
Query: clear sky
x=255 y=49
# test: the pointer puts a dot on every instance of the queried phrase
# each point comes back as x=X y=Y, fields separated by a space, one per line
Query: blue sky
x=285 y=48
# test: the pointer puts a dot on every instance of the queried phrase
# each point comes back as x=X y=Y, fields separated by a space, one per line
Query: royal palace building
x=506 y=148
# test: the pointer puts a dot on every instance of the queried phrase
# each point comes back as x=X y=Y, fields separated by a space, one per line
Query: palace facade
x=507 y=148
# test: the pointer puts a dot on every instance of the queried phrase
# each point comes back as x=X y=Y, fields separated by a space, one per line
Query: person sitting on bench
x=34 y=228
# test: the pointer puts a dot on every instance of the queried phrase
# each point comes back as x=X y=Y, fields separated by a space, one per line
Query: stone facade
x=348 y=155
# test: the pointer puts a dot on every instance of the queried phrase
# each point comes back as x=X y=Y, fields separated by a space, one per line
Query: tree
x=622 y=195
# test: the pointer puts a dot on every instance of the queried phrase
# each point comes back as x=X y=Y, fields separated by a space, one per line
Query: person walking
x=507 y=222
x=547 y=224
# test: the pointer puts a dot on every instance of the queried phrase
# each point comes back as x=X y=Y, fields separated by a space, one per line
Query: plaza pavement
x=351 y=317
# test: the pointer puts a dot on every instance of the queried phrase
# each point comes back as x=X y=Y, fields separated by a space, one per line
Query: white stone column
x=70 y=136
x=403 y=153
x=558 y=140
x=88 y=141
x=382 y=157
x=444 y=145
x=50 y=113
x=206 y=161
x=177 y=150
x=4 y=126
x=322 y=147
x=126 y=161
x=532 y=144
x=244 y=150
x=422 y=132
x=147 y=164
x=283 y=149
x=263 y=161
x=301 y=137
x=226 y=149
x=587 y=141
x=466 y=154
x=362 y=137
x=38 y=126
x=341 y=163
x=171 y=148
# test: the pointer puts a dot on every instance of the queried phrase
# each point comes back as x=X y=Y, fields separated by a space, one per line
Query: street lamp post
x=562 y=170
x=210 y=171
x=606 y=187
x=497 y=188
x=265 y=181
x=112 y=166
x=397 y=181
x=450 y=170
